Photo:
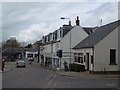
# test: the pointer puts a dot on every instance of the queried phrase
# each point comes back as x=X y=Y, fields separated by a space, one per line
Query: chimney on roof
x=78 y=21
x=70 y=23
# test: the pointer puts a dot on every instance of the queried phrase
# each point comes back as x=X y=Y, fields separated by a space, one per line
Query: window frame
x=112 y=55
x=79 y=58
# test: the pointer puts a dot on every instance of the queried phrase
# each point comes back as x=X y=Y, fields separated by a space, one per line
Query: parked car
x=20 y=63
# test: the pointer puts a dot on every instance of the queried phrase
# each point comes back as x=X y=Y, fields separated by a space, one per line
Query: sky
x=29 y=20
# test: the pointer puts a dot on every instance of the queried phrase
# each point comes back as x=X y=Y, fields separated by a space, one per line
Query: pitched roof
x=98 y=35
x=10 y=51
x=89 y=30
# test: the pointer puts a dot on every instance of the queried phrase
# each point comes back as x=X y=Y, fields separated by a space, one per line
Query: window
x=78 y=57
x=112 y=56
x=60 y=33
x=91 y=59
x=75 y=58
x=30 y=55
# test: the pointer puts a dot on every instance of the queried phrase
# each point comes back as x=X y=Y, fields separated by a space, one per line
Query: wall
x=102 y=52
x=77 y=35
x=84 y=51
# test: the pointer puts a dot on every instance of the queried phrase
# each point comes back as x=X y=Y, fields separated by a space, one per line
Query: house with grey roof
x=14 y=53
x=65 y=38
x=99 y=51
x=50 y=45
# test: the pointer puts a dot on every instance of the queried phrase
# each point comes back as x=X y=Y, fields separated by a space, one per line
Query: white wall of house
x=55 y=60
x=56 y=46
x=102 y=52
x=77 y=35
x=85 y=60
x=47 y=50
x=29 y=52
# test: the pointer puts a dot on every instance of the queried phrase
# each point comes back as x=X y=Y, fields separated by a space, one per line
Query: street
x=34 y=76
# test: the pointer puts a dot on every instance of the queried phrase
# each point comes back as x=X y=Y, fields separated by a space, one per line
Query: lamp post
x=70 y=34
x=38 y=53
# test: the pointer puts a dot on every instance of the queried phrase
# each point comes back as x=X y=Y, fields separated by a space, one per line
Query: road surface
x=33 y=76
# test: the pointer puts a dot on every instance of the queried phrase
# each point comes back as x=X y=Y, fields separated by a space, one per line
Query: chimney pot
x=77 y=21
x=70 y=23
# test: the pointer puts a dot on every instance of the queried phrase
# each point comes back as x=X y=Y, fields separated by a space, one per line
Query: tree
x=10 y=43
x=29 y=46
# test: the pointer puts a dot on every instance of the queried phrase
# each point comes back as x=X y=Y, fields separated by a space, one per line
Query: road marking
x=54 y=85
x=68 y=85
x=50 y=81
x=110 y=84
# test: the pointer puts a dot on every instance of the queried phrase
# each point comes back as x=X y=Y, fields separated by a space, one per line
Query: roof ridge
x=99 y=34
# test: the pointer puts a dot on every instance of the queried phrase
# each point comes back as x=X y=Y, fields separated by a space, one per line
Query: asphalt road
x=33 y=76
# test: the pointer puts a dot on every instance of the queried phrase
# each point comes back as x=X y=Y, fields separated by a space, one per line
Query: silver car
x=20 y=63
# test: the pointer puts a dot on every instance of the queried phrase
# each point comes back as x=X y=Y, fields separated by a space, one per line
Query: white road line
x=68 y=85
x=110 y=84
x=54 y=85
x=50 y=81
x=49 y=76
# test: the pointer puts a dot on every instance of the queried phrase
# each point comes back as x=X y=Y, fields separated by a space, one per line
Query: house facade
x=65 y=38
x=51 y=44
x=99 y=51
x=71 y=39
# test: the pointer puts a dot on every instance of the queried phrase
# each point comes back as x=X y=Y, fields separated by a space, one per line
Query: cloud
x=29 y=21
x=108 y=12
x=35 y=32
x=60 y=0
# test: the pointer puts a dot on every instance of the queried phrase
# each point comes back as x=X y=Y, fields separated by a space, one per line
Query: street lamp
x=70 y=34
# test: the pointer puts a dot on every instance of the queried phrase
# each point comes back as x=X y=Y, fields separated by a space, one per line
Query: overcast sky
x=29 y=21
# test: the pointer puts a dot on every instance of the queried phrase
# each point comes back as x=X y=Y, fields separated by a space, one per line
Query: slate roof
x=98 y=35
x=89 y=30
x=65 y=28
x=38 y=42
x=9 y=51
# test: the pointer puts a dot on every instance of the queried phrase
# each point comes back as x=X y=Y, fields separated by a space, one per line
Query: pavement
x=8 y=66
x=79 y=74
x=11 y=65
x=85 y=74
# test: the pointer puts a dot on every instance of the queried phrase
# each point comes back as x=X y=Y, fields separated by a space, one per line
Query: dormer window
x=53 y=36
x=61 y=33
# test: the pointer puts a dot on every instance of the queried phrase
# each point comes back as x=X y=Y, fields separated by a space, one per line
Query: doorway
x=87 y=61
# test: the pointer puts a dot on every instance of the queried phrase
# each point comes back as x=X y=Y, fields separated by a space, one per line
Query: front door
x=87 y=61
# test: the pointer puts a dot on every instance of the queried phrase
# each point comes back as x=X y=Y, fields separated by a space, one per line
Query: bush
x=76 y=67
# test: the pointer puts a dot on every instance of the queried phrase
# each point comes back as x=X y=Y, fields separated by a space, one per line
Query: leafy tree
x=10 y=43
x=29 y=46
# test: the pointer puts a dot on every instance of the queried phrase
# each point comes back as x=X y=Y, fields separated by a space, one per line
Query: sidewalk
x=77 y=74
x=85 y=74
x=43 y=66
x=8 y=66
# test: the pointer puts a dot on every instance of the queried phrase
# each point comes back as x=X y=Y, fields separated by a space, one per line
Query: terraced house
x=94 y=47
x=65 y=38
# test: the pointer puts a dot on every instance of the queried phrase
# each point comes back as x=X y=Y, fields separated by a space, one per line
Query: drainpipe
x=38 y=53
x=52 y=54
x=93 y=60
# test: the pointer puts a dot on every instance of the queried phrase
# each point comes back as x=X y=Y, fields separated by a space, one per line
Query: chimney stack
x=70 y=23
x=78 y=21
